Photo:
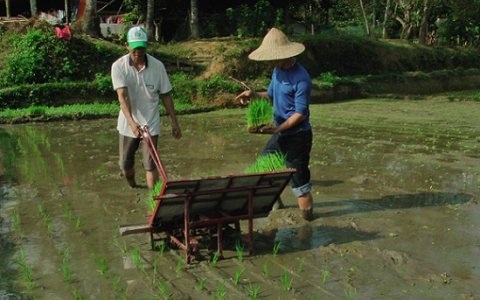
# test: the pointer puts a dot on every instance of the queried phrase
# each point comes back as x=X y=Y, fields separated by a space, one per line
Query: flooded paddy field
x=396 y=186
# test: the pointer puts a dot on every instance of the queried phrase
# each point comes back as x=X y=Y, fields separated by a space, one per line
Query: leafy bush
x=38 y=57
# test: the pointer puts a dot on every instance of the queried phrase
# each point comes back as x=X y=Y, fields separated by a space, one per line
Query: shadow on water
x=402 y=201
x=309 y=237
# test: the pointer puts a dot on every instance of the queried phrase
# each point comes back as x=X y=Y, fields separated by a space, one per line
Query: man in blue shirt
x=289 y=90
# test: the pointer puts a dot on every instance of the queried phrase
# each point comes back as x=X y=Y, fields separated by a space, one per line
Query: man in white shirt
x=140 y=81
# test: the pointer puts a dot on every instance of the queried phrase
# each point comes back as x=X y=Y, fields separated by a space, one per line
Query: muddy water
x=396 y=187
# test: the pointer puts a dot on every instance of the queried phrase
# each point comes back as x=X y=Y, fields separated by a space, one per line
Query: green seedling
x=77 y=224
x=301 y=265
x=76 y=294
x=27 y=274
x=350 y=293
x=286 y=280
x=151 y=201
x=41 y=209
x=15 y=220
x=120 y=292
x=137 y=259
x=265 y=269
x=67 y=273
x=253 y=291
x=180 y=265
x=220 y=292
x=238 y=274
x=215 y=259
x=102 y=266
x=276 y=248
x=50 y=228
x=239 y=250
x=164 y=290
x=325 y=276
x=155 y=269
x=201 y=284
x=161 y=249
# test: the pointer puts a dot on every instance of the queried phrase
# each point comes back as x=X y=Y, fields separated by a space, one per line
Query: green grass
x=78 y=111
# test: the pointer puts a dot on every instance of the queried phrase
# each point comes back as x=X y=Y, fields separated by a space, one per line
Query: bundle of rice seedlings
x=259 y=112
x=267 y=163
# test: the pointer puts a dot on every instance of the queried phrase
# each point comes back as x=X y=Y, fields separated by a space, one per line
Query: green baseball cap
x=137 y=37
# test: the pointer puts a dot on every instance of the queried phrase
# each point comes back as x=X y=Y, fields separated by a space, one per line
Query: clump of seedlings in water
x=151 y=201
x=239 y=250
x=253 y=291
x=350 y=293
x=259 y=115
x=267 y=163
x=201 y=284
x=181 y=263
x=238 y=274
x=164 y=290
x=325 y=276
x=27 y=273
x=215 y=259
x=286 y=280
x=65 y=266
x=15 y=220
x=221 y=292
x=301 y=265
x=265 y=270
x=276 y=248
x=137 y=259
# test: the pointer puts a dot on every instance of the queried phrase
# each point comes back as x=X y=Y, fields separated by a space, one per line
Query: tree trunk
x=67 y=12
x=367 y=26
x=423 y=31
x=194 y=24
x=374 y=19
x=33 y=7
x=88 y=23
x=7 y=8
x=149 y=19
x=385 y=18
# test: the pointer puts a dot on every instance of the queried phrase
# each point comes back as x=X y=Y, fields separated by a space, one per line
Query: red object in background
x=81 y=8
x=63 y=33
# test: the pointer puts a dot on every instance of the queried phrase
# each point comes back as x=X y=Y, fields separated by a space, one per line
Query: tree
x=149 y=19
x=7 y=7
x=385 y=19
x=423 y=31
x=33 y=7
x=194 y=20
x=89 y=23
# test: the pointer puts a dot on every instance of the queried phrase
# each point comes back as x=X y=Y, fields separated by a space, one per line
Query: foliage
x=330 y=80
x=51 y=94
x=186 y=89
x=39 y=57
x=246 y=21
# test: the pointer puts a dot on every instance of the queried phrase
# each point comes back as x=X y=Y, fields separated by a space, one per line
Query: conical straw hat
x=275 y=46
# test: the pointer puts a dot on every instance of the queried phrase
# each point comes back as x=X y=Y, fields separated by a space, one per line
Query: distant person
x=140 y=81
x=289 y=89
